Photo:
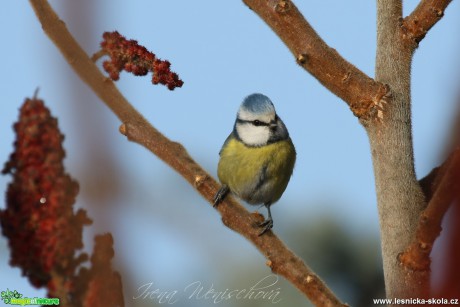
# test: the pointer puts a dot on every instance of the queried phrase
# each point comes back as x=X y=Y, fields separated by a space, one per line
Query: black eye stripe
x=259 y=123
x=256 y=122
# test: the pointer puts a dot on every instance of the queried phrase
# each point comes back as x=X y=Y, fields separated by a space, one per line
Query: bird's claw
x=220 y=195
x=267 y=225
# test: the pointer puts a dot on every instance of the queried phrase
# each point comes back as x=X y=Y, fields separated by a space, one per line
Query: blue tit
x=258 y=157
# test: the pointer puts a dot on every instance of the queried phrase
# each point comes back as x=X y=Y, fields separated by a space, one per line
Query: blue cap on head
x=258 y=104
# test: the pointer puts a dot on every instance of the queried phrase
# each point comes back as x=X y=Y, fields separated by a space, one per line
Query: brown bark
x=363 y=94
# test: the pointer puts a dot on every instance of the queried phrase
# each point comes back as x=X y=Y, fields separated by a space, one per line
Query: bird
x=257 y=159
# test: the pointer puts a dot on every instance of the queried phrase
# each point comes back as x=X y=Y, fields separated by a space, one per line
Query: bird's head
x=257 y=123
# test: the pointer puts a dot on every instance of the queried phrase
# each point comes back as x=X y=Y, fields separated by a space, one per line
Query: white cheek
x=252 y=135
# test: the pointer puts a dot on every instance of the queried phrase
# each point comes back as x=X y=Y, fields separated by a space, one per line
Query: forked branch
x=281 y=260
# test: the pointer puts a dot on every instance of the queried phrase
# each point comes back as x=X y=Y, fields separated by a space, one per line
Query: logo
x=16 y=298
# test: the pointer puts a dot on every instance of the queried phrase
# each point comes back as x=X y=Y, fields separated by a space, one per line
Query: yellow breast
x=257 y=174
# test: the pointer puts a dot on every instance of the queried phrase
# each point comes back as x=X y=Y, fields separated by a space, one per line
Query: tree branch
x=281 y=260
x=423 y=18
x=363 y=94
x=417 y=255
x=431 y=181
x=400 y=199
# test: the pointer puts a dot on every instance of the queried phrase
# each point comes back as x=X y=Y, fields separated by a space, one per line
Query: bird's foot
x=220 y=195
x=266 y=225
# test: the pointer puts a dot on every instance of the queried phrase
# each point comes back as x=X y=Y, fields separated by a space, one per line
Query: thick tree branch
x=281 y=260
x=423 y=18
x=363 y=94
x=417 y=255
x=400 y=199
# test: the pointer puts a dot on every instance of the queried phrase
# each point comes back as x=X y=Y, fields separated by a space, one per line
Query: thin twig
x=417 y=255
x=281 y=260
x=363 y=94
x=423 y=18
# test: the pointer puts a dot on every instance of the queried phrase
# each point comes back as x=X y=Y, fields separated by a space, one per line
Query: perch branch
x=423 y=18
x=417 y=255
x=281 y=260
x=363 y=94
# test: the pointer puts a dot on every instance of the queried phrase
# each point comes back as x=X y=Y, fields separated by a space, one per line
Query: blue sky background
x=165 y=232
